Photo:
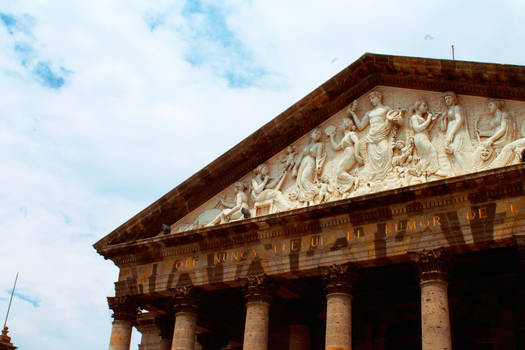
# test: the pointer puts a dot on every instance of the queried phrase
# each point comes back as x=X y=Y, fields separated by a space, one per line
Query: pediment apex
x=369 y=72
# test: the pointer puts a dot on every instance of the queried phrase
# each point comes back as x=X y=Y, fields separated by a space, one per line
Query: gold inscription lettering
x=482 y=212
x=219 y=258
x=388 y=228
x=436 y=220
x=412 y=225
x=294 y=245
x=315 y=241
x=190 y=262
x=424 y=223
x=471 y=215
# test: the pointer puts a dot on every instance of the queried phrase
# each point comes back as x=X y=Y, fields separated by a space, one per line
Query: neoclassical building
x=384 y=210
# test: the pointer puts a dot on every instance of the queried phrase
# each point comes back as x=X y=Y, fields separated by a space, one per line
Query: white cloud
x=135 y=118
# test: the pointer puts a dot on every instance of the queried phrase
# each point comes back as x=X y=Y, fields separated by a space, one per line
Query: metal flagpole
x=10 y=301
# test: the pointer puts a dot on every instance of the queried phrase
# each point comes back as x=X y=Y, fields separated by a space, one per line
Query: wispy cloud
x=41 y=70
x=31 y=300
x=211 y=43
x=15 y=24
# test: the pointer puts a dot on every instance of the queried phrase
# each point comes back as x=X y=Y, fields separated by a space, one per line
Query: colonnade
x=339 y=285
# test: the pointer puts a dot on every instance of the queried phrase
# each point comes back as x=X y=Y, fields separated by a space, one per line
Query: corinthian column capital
x=257 y=288
x=432 y=264
x=185 y=299
x=124 y=308
x=339 y=278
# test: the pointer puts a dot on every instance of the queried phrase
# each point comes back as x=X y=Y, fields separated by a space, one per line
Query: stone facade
x=380 y=214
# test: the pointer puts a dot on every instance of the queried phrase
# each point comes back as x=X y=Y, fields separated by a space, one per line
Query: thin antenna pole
x=10 y=301
x=453 y=52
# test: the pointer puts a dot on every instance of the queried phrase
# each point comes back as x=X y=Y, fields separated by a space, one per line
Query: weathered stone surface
x=256 y=325
x=120 y=335
x=435 y=319
x=184 y=331
x=338 y=321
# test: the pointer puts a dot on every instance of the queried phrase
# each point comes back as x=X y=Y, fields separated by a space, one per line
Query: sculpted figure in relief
x=349 y=144
x=233 y=211
x=421 y=122
x=511 y=152
x=326 y=190
x=266 y=191
x=378 y=158
x=289 y=159
x=501 y=129
x=308 y=167
x=457 y=140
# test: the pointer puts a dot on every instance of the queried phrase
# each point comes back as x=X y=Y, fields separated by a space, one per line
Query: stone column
x=339 y=280
x=257 y=296
x=125 y=312
x=299 y=337
x=185 y=318
x=435 y=319
x=147 y=326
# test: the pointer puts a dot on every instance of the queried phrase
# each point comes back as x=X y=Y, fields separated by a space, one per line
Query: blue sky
x=107 y=105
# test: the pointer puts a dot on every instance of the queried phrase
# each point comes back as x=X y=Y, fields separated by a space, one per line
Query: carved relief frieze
x=387 y=139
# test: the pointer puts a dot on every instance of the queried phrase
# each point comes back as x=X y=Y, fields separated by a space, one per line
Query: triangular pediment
x=394 y=145
x=386 y=139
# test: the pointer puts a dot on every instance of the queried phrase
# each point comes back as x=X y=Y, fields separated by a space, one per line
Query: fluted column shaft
x=124 y=316
x=339 y=280
x=299 y=337
x=257 y=296
x=435 y=317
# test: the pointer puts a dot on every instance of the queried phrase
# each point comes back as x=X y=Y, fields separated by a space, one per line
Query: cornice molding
x=370 y=70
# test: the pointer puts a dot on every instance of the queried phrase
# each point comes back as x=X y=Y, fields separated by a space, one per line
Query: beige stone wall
x=442 y=221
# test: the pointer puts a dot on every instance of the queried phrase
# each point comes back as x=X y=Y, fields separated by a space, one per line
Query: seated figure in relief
x=511 y=153
x=500 y=130
x=233 y=211
x=349 y=144
x=422 y=122
x=266 y=191
x=458 y=146
x=376 y=144
x=308 y=167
